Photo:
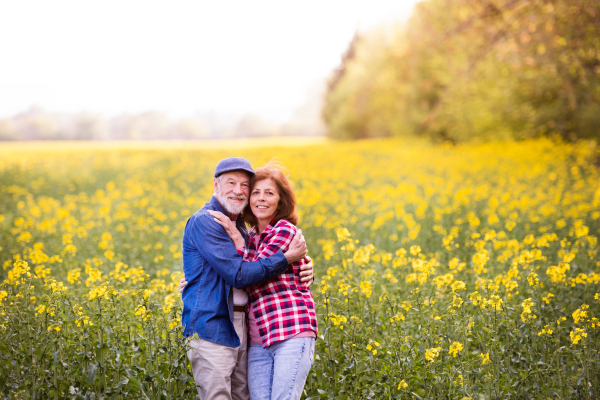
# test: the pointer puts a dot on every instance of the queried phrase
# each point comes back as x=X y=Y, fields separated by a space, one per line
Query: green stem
x=102 y=348
x=586 y=367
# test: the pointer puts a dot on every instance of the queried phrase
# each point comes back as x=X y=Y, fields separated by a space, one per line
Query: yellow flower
x=431 y=354
x=342 y=234
x=495 y=301
x=527 y=315
x=414 y=250
x=558 y=273
x=142 y=313
x=479 y=261
x=577 y=335
x=94 y=275
x=475 y=298
x=546 y=331
x=402 y=385
x=533 y=279
x=338 y=320
x=20 y=268
x=57 y=287
x=581 y=314
x=109 y=254
x=455 y=348
x=547 y=298
x=169 y=301
x=366 y=288
x=73 y=275
x=456 y=301
x=458 y=286
x=99 y=292
x=40 y=309
x=459 y=381
x=485 y=358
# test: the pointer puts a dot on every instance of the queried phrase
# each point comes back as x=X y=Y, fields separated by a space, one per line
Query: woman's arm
x=230 y=228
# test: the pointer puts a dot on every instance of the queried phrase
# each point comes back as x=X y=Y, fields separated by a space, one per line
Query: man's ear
x=215 y=185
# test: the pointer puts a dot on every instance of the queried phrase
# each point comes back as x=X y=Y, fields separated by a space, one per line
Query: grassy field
x=441 y=272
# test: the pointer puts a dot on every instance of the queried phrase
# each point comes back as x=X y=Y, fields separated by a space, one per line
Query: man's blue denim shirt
x=212 y=265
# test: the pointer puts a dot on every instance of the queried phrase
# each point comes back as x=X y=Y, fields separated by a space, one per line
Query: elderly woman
x=282 y=318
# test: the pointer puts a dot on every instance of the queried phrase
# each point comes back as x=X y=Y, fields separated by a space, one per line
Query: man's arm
x=217 y=249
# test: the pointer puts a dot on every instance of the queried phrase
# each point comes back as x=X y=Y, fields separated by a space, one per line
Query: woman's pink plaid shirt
x=283 y=306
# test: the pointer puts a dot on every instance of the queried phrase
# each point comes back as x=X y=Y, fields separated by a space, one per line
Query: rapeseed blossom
x=577 y=335
x=485 y=358
x=479 y=244
x=527 y=314
x=432 y=353
x=455 y=348
x=581 y=314
x=546 y=331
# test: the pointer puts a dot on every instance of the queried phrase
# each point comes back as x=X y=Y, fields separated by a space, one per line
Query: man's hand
x=182 y=284
x=297 y=249
x=306 y=272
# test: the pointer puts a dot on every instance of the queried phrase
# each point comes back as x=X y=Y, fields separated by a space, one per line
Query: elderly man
x=214 y=302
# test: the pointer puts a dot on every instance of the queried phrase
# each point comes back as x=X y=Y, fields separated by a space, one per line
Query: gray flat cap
x=233 y=164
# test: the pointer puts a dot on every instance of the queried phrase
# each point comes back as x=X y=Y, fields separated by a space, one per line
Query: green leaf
x=92 y=373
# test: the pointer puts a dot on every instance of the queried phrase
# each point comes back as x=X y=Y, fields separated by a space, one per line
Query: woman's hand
x=182 y=284
x=229 y=227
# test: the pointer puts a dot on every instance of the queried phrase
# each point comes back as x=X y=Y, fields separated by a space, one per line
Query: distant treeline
x=37 y=124
x=464 y=70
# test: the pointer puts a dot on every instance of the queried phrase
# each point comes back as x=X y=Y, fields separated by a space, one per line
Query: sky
x=180 y=57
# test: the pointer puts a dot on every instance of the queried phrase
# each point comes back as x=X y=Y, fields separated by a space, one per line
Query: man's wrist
x=290 y=257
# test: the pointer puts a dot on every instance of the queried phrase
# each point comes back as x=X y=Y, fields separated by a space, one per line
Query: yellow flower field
x=441 y=272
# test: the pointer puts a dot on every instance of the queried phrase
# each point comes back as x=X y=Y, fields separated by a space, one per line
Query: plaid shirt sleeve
x=279 y=239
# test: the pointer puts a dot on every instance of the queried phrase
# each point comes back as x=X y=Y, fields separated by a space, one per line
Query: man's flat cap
x=233 y=164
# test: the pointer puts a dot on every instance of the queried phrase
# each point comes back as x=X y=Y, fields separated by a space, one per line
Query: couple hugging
x=248 y=311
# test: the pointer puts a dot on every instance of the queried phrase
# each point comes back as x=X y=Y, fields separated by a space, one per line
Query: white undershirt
x=240 y=297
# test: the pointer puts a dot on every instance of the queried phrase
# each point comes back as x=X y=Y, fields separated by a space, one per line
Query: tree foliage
x=467 y=70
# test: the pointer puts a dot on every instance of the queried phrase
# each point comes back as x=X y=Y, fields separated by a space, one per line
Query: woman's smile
x=264 y=200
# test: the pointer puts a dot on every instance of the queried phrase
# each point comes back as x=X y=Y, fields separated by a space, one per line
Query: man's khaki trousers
x=220 y=371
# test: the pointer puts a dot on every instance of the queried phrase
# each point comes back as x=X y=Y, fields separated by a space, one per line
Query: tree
x=463 y=70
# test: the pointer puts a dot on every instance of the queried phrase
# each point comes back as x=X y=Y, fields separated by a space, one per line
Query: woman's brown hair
x=286 y=208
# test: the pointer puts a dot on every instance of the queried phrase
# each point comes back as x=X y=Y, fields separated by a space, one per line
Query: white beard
x=234 y=209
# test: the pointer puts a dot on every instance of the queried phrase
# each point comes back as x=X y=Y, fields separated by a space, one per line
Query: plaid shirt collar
x=254 y=231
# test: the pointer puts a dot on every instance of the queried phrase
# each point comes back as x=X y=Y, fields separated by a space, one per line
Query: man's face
x=232 y=190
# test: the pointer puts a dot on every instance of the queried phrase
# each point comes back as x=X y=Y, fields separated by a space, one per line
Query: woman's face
x=264 y=199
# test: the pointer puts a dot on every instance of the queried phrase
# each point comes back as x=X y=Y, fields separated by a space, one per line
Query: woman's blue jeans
x=279 y=371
